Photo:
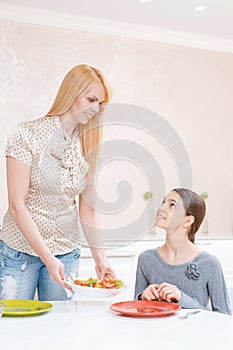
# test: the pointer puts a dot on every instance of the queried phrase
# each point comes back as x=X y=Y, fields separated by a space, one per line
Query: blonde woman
x=50 y=168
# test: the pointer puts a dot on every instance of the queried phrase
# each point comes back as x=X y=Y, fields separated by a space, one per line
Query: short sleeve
x=19 y=144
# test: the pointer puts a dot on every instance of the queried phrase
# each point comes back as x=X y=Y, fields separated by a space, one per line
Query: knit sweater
x=201 y=280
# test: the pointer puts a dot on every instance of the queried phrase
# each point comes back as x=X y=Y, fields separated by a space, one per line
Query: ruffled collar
x=68 y=150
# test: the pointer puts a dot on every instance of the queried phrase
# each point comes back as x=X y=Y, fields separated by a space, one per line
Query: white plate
x=96 y=292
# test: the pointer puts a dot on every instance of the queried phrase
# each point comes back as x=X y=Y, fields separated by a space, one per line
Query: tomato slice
x=77 y=282
x=84 y=284
x=80 y=283
x=108 y=283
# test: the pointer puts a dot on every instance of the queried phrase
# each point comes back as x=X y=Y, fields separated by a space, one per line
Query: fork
x=184 y=317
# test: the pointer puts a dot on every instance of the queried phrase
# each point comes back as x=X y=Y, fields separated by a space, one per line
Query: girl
x=179 y=271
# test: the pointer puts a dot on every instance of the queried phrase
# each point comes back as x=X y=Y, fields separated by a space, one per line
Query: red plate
x=144 y=308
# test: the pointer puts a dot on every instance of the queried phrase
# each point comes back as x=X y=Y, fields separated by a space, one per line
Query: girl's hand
x=169 y=292
x=104 y=270
x=151 y=292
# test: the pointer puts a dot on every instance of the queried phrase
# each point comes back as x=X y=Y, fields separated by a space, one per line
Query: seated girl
x=179 y=271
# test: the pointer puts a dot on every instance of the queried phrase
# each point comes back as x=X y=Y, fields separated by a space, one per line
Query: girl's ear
x=189 y=220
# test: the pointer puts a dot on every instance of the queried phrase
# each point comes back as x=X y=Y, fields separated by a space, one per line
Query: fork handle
x=194 y=312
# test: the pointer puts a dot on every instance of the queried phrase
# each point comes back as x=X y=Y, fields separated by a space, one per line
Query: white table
x=91 y=325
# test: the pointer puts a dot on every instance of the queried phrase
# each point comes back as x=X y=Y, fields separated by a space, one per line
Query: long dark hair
x=194 y=205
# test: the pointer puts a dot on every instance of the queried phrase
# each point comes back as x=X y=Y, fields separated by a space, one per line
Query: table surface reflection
x=92 y=325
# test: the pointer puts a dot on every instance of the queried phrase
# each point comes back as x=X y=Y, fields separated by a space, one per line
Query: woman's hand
x=151 y=292
x=56 y=271
x=103 y=269
x=169 y=292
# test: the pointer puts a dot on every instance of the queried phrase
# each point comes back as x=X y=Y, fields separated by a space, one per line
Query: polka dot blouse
x=58 y=172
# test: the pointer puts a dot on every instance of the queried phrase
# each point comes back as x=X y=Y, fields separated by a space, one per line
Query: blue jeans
x=21 y=274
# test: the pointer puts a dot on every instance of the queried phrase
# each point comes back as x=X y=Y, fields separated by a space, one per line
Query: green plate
x=25 y=307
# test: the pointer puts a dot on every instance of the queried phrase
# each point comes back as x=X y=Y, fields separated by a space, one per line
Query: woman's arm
x=90 y=223
x=18 y=177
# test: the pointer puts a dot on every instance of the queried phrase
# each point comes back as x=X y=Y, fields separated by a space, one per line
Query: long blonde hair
x=77 y=81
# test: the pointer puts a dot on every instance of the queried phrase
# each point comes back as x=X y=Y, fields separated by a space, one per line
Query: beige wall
x=190 y=88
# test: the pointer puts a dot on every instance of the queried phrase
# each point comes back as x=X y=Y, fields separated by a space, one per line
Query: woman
x=50 y=169
x=179 y=271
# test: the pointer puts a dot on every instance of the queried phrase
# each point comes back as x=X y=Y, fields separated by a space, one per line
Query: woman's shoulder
x=28 y=125
x=34 y=132
x=42 y=126
x=39 y=122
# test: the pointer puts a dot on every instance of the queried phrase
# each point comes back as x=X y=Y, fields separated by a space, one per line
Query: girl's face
x=88 y=104
x=171 y=213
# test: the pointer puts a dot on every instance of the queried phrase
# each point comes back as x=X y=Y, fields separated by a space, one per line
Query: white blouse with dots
x=57 y=176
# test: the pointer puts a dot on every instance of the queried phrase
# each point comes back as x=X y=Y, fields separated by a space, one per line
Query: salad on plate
x=92 y=287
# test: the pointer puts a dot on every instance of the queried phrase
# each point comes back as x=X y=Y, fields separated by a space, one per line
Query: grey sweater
x=200 y=280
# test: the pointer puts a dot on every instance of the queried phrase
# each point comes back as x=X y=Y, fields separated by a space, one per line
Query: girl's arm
x=141 y=282
x=90 y=224
x=217 y=288
x=18 y=177
x=188 y=302
x=171 y=293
